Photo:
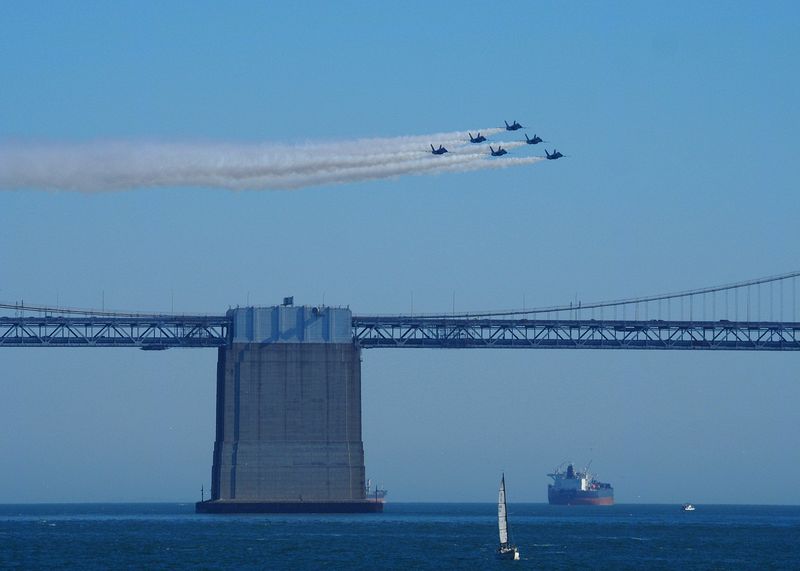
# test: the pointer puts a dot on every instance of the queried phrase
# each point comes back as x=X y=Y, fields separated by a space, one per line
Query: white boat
x=506 y=550
x=688 y=507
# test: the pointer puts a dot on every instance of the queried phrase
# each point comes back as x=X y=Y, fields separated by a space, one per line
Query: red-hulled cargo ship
x=571 y=487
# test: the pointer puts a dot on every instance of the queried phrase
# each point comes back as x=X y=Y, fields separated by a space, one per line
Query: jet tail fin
x=432 y=148
x=506 y=122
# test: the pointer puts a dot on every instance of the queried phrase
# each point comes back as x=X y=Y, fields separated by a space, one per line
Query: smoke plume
x=97 y=167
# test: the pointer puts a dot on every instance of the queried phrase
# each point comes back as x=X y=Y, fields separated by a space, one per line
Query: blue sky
x=681 y=123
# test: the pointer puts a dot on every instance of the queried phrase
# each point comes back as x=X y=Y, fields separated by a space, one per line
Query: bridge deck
x=163 y=332
x=575 y=334
x=152 y=332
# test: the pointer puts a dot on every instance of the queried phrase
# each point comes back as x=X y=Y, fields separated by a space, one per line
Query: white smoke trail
x=425 y=166
x=404 y=143
x=93 y=167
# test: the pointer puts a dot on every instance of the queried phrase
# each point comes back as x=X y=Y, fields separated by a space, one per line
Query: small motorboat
x=688 y=507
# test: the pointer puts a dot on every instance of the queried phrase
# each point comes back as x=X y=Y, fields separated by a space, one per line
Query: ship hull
x=603 y=497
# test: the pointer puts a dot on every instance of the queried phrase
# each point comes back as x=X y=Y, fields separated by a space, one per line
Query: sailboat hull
x=511 y=553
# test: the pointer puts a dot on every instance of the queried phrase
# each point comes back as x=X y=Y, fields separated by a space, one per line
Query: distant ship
x=375 y=494
x=688 y=507
x=573 y=488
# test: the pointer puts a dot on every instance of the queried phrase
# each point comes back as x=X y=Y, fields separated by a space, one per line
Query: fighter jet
x=479 y=139
x=499 y=152
x=536 y=139
x=440 y=151
x=513 y=127
x=554 y=156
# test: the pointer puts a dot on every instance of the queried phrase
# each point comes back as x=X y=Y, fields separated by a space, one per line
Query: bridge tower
x=289 y=414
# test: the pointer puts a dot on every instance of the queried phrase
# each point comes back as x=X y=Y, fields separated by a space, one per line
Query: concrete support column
x=289 y=415
x=289 y=423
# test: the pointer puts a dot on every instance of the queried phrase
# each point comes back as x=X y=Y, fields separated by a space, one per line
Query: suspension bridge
x=288 y=402
x=759 y=315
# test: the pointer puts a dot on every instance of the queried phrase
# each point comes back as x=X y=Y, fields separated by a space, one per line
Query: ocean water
x=406 y=536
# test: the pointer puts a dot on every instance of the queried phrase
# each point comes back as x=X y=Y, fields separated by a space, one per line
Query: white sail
x=502 y=520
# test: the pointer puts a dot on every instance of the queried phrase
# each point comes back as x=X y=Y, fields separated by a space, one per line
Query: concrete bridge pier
x=289 y=415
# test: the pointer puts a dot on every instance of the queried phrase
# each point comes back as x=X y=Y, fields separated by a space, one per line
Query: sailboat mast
x=505 y=507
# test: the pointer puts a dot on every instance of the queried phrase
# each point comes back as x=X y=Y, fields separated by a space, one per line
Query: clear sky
x=681 y=121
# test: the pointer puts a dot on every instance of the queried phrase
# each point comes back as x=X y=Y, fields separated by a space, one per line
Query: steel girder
x=466 y=333
x=163 y=332
x=145 y=332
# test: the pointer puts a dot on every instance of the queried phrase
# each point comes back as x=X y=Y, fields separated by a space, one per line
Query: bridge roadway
x=157 y=332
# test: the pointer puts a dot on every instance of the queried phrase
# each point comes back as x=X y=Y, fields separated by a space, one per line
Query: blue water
x=406 y=536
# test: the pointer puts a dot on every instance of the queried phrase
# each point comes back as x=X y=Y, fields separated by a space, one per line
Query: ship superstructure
x=376 y=493
x=572 y=487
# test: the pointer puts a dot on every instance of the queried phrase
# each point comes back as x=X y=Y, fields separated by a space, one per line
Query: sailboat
x=506 y=550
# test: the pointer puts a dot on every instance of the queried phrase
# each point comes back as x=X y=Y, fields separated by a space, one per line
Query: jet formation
x=514 y=126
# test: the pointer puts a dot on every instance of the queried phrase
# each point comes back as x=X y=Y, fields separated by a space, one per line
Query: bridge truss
x=153 y=332
x=164 y=332
x=477 y=333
